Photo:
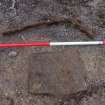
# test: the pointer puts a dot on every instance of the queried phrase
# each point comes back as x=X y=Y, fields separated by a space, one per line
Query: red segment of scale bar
x=103 y=42
x=25 y=44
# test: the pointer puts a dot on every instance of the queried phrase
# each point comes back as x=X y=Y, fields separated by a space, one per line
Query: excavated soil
x=52 y=75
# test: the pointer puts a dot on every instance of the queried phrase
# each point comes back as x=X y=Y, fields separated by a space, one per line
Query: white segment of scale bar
x=76 y=43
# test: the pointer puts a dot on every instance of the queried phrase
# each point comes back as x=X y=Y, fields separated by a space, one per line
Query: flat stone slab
x=58 y=73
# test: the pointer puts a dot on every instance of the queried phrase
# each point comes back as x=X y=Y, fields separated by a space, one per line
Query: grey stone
x=59 y=73
x=12 y=54
x=16 y=14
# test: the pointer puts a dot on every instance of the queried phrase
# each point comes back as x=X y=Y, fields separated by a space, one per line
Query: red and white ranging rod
x=52 y=44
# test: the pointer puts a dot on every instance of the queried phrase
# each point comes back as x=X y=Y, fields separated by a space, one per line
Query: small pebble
x=12 y=54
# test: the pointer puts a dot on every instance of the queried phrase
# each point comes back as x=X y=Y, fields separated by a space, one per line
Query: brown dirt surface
x=57 y=75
